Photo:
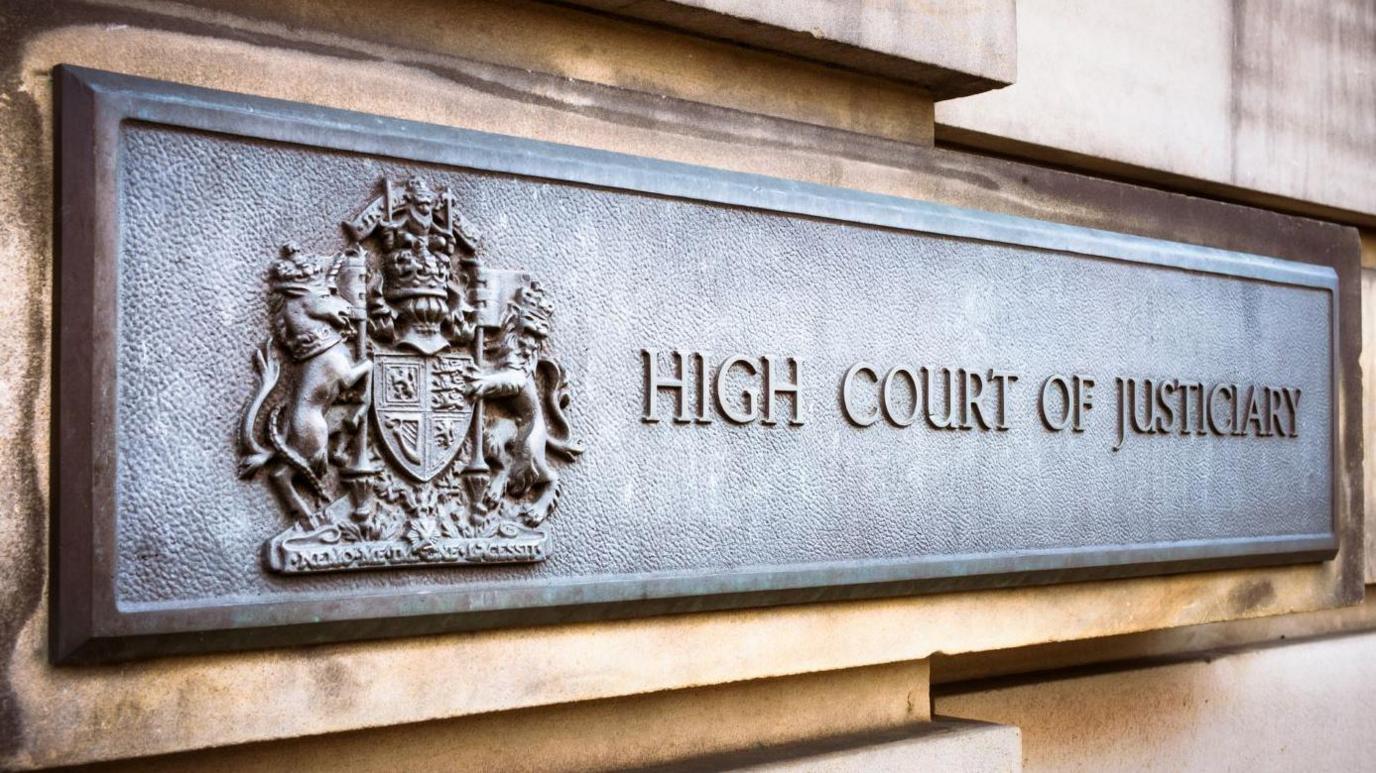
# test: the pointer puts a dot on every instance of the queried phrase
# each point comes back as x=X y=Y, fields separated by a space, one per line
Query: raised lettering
x=1003 y=379
x=1148 y=424
x=1060 y=384
x=1120 y=388
x=1254 y=413
x=847 y=394
x=891 y=408
x=1209 y=409
x=971 y=407
x=1292 y=401
x=704 y=413
x=1274 y=405
x=655 y=382
x=1084 y=401
x=949 y=421
x=1165 y=410
x=774 y=385
x=750 y=411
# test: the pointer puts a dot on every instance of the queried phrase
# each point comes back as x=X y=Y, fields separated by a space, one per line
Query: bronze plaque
x=325 y=375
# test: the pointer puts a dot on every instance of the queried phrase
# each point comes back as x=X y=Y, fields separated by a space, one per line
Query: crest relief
x=407 y=411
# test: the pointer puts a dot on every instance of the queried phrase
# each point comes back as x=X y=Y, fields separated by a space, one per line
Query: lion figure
x=526 y=394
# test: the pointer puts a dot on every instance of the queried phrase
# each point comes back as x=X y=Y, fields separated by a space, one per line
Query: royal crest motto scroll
x=405 y=413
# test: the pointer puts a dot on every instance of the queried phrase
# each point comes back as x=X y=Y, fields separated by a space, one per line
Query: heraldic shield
x=421 y=410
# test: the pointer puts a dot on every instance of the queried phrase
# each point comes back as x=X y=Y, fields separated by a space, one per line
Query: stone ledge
x=946 y=47
x=943 y=744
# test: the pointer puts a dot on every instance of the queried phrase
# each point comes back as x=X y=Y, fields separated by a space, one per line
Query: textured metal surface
x=182 y=208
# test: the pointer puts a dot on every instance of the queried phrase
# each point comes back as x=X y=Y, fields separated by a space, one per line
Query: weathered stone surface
x=1266 y=100
x=946 y=47
x=636 y=731
x=943 y=744
x=576 y=44
x=1142 y=646
x=1292 y=706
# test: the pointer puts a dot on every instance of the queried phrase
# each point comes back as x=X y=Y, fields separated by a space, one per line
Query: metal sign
x=388 y=378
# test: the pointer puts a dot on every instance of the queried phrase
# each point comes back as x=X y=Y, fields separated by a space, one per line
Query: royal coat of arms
x=407 y=412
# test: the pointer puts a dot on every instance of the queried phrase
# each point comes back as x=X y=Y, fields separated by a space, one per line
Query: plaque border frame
x=88 y=625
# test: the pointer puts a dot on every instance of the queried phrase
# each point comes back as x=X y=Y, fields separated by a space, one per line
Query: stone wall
x=1290 y=706
x=1265 y=101
x=627 y=692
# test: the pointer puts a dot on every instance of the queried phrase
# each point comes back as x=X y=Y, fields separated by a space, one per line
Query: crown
x=296 y=272
x=414 y=270
x=418 y=192
x=532 y=302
